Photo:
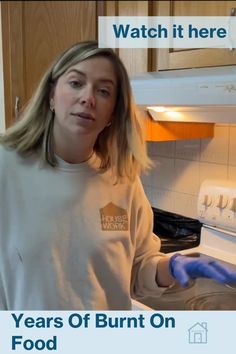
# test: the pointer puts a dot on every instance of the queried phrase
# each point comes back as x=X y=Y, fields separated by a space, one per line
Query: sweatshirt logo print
x=113 y=218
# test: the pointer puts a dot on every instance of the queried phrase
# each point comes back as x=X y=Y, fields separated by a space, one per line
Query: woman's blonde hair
x=120 y=146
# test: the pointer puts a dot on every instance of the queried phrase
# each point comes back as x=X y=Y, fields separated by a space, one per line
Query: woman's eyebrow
x=109 y=81
x=76 y=71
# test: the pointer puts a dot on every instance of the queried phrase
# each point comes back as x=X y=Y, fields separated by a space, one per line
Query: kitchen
x=181 y=165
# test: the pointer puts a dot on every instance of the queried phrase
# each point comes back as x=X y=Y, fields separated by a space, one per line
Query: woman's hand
x=184 y=268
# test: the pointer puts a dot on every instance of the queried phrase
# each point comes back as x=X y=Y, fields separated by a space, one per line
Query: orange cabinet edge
x=167 y=131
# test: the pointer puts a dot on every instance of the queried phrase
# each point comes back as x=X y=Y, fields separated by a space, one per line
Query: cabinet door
x=34 y=32
x=135 y=60
x=193 y=58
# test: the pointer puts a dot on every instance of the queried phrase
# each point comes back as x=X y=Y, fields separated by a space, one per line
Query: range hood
x=191 y=95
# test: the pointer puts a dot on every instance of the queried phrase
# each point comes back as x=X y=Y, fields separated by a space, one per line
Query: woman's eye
x=75 y=83
x=104 y=92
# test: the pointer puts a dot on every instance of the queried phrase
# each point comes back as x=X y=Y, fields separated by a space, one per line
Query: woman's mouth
x=83 y=115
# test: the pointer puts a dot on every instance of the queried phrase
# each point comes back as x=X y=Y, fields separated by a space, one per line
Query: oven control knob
x=232 y=204
x=221 y=201
x=207 y=200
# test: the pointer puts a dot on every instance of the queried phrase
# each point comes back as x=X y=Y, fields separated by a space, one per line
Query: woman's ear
x=51 y=105
x=110 y=121
x=51 y=97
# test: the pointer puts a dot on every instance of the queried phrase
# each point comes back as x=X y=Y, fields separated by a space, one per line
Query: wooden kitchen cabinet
x=143 y=60
x=135 y=60
x=164 y=59
x=33 y=33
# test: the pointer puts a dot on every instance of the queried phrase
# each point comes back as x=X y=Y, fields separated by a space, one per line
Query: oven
x=217 y=213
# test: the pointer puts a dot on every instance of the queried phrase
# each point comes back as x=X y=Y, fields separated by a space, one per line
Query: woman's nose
x=87 y=97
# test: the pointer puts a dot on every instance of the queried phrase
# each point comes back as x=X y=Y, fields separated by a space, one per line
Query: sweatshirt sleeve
x=147 y=248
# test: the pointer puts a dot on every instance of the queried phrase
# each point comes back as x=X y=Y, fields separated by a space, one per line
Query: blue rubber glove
x=184 y=268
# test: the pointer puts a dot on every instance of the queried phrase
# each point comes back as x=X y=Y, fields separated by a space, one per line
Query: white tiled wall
x=181 y=166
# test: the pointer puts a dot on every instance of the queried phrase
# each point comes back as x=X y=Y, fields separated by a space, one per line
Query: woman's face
x=84 y=97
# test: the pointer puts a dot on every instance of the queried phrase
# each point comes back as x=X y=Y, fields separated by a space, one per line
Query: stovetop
x=216 y=232
x=201 y=294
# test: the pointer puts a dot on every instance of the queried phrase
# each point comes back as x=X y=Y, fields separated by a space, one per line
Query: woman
x=75 y=224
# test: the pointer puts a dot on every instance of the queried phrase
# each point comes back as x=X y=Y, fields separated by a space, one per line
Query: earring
x=52 y=105
x=108 y=125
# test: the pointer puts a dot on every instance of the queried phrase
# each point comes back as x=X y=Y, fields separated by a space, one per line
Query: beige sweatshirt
x=72 y=240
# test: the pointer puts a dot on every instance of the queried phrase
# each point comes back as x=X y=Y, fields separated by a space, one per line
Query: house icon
x=198 y=333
